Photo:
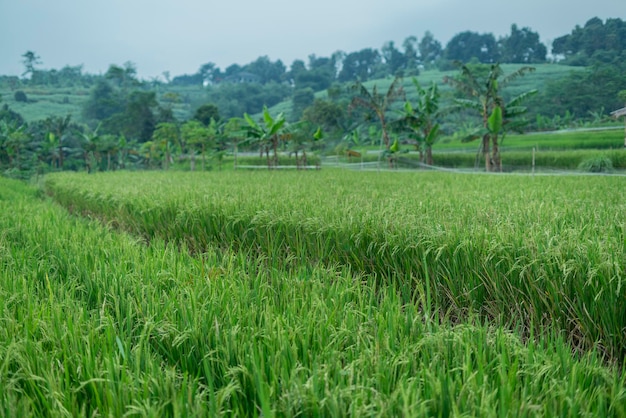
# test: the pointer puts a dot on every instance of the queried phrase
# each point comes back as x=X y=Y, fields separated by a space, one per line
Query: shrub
x=20 y=96
x=600 y=164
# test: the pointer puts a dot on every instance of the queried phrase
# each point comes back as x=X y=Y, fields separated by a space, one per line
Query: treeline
x=128 y=122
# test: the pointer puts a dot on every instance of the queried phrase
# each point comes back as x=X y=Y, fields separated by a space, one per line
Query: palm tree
x=165 y=135
x=57 y=126
x=484 y=94
x=268 y=135
x=378 y=103
x=13 y=138
x=234 y=131
x=303 y=137
x=421 y=120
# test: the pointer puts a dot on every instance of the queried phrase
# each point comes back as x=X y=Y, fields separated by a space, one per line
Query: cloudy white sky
x=179 y=36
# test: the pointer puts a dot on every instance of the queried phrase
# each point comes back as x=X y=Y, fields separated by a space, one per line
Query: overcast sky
x=179 y=36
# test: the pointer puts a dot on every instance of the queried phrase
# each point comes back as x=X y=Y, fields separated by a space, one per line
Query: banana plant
x=378 y=103
x=267 y=135
x=497 y=116
x=421 y=120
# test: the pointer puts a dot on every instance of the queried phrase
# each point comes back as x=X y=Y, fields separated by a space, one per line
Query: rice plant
x=96 y=322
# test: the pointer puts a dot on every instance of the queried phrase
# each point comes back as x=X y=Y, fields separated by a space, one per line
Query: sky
x=179 y=36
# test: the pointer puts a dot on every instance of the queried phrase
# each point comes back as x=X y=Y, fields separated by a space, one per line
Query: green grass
x=609 y=138
x=47 y=101
x=95 y=322
x=554 y=245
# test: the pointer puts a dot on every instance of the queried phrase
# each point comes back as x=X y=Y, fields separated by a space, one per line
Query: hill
x=44 y=101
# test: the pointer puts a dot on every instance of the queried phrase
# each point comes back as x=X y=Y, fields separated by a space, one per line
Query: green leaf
x=250 y=121
x=395 y=146
x=432 y=135
x=318 y=134
x=494 y=123
x=269 y=121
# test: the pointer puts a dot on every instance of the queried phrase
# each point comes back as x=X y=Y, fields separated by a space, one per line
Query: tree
x=166 y=136
x=195 y=135
x=329 y=115
x=209 y=73
x=57 y=128
x=596 y=36
x=30 y=60
x=377 y=103
x=268 y=134
x=235 y=131
x=394 y=59
x=430 y=49
x=123 y=77
x=467 y=45
x=103 y=102
x=206 y=112
x=485 y=98
x=13 y=139
x=421 y=119
x=138 y=120
x=302 y=98
x=359 y=65
x=522 y=46
x=303 y=135
x=411 y=60
x=266 y=69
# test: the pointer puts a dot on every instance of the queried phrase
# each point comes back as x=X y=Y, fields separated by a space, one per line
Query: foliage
x=601 y=164
x=267 y=135
x=106 y=325
x=524 y=244
x=522 y=46
x=377 y=103
x=593 y=39
x=20 y=96
x=206 y=112
x=467 y=45
x=582 y=92
x=302 y=98
x=30 y=60
x=421 y=120
x=483 y=92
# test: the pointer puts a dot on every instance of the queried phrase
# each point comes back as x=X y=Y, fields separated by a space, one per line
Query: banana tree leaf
x=495 y=120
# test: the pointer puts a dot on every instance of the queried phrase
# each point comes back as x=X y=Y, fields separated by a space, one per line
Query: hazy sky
x=179 y=36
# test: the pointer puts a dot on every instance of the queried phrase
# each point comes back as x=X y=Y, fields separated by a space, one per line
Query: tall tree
x=30 y=60
x=206 y=112
x=268 y=134
x=166 y=136
x=467 y=45
x=411 y=53
x=485 y=97
x=421 y=119
x=522 y=46
x=393 y=58
x=266 y=69
x=378 y=103
x=57 y=128
x=430 y=49
x=359 y=65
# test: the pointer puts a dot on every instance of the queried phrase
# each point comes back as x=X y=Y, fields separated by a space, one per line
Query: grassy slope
x=49 y=101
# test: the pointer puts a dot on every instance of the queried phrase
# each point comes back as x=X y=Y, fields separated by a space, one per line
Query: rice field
x=323 y=293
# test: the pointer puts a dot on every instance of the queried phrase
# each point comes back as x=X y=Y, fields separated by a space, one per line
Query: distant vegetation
x=114 y=118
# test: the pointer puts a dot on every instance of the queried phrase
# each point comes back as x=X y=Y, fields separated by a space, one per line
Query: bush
x=20 y=96
x=601 y=164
